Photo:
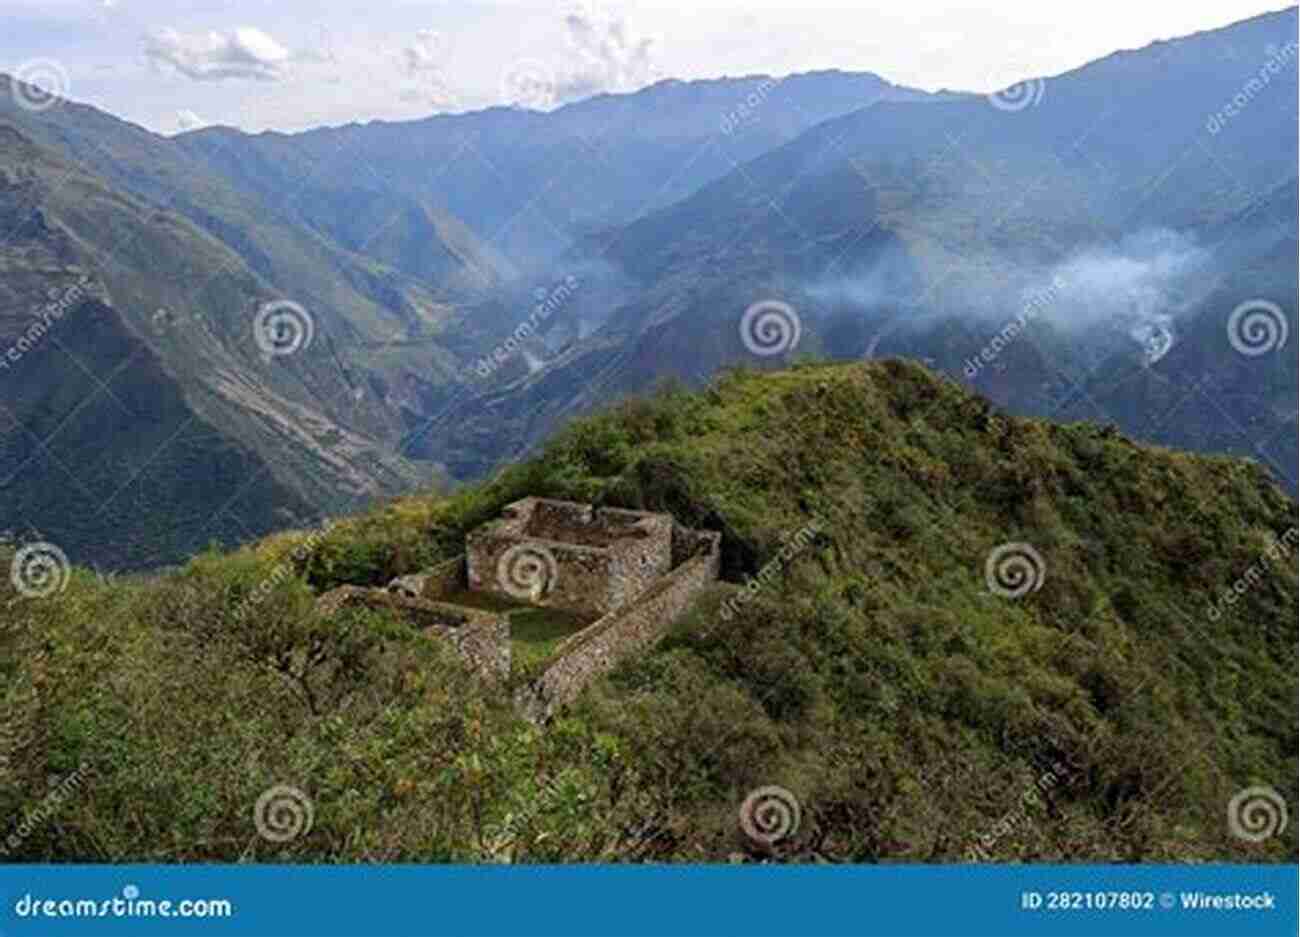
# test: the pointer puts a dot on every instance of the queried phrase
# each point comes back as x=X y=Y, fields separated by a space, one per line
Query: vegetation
x=877 y=677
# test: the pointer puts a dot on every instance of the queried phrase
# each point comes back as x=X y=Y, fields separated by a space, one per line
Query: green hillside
x=910 y=707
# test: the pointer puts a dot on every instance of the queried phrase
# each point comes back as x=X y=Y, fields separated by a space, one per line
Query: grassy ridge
x=874 y=675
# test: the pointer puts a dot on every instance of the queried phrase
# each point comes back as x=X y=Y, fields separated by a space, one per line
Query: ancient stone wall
x=565 y=555
x=599 y=648
x=687 y=543
x=434 y=583
x=482 y=638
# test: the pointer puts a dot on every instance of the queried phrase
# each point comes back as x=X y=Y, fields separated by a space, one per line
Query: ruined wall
x=482 y=638
x=540 y=572
x=687 y=543
x=601 y=647
x=565 y=555
x=433 y=583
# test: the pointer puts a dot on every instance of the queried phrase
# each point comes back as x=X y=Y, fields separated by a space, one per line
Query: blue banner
x=573 y=901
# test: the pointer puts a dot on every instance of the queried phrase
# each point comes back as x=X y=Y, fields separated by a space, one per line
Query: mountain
x=1091 y=235
x=916 y=705
x=138 y=422
x=393 y=294
x=526 y=183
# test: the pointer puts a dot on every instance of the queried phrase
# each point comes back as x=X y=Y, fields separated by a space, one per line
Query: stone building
x=561 y=554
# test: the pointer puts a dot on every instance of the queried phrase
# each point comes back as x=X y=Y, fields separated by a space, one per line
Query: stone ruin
x=634 y=572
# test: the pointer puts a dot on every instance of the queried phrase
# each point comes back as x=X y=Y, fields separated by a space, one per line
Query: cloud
x=188 y=120
x=427 y=52
x=423 y=61
x=245 y=52
x=611 y=57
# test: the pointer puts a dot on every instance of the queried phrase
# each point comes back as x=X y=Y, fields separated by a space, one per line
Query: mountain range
x=215 y=335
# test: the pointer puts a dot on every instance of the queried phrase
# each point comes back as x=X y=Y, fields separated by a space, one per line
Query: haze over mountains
x=1121 y=213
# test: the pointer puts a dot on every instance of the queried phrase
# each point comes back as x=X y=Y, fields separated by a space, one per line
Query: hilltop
x=910 y=699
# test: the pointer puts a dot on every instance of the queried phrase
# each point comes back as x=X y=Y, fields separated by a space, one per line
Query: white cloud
x=427 y=52
x=245 y=52
x=188 y=120
x=613 y=57
x=424 y=62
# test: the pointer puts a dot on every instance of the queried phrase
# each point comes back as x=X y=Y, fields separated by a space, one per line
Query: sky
x=288 y=65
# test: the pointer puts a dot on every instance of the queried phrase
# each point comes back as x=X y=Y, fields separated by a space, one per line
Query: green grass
x=535 y=633
x=876 y=677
